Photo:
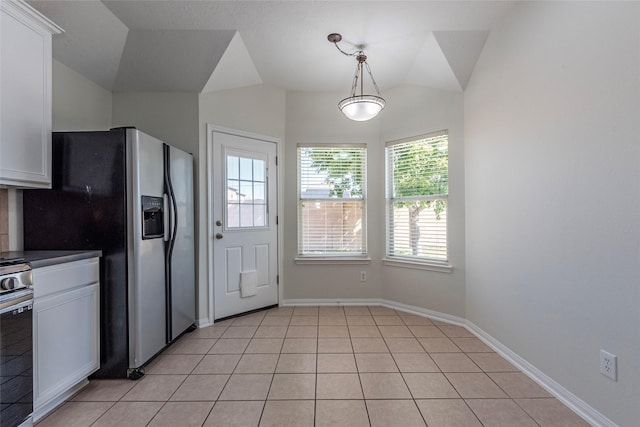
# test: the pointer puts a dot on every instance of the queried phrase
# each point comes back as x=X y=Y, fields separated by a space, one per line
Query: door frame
x=210 y=201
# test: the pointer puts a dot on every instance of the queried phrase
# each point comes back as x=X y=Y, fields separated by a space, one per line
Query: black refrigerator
x=130 y=196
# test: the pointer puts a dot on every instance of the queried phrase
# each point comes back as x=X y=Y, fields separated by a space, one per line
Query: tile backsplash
x=4 y=220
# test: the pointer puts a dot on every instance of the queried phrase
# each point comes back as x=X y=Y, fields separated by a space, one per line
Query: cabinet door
x=25 y=97
x=66 y=341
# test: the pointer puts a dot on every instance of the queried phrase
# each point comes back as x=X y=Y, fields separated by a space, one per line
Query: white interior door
x=243 y=223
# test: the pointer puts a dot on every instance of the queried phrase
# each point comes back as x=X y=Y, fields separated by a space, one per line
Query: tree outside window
x=331 y=200
x=417 y=192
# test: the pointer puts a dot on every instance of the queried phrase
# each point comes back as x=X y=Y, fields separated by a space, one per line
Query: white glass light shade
x=361 y=108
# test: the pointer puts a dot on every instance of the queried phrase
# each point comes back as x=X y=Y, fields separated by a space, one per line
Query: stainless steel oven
x=16 y=343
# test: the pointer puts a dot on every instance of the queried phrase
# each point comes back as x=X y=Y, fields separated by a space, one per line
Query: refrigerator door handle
x=169 y=239
x=172 y=216
x=170 y=200
x=167 y=218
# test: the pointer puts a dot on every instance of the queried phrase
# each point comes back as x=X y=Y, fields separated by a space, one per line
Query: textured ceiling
x=199 y=46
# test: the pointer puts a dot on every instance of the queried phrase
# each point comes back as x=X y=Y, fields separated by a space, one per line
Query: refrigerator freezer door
x=87 y=209
x=147 y=307
x=182 y=268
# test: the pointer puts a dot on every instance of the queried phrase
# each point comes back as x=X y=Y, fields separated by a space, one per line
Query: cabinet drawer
x=62 y=277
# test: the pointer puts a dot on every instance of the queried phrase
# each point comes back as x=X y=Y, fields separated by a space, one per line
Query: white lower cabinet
x=66 y=331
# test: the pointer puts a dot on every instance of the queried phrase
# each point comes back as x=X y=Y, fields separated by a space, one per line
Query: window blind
x=417 y=193
x=331 y=200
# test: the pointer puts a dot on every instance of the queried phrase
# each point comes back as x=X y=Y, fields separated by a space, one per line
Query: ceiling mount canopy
x=358 y=106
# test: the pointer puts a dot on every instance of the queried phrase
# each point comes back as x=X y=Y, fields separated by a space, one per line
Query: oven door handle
x=20 y=304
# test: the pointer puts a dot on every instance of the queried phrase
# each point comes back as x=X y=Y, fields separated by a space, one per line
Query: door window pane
x=258 y=192
x=233 y=218
x=246 y=192
x=246 y=169
x=259 y=215
x=232 y=167
x=246 y=215
x=258 y=170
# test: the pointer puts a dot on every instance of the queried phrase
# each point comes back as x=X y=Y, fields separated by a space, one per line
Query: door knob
x=219 y=236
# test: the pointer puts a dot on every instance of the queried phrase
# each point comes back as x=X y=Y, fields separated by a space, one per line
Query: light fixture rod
x=359 y=107
x=361 y=58
x=375 y=85
x=335 y=38
x=361 y=78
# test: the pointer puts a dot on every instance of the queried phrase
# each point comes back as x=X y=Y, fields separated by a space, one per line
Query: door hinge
x=277 y=279
x=276 y=219
x=276 y=160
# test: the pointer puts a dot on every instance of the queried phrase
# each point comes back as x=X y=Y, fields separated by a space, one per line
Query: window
x=417 y=192
x=331 y=200
x=246 y=191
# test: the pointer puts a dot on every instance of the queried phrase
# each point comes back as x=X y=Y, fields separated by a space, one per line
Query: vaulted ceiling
x=200 y=46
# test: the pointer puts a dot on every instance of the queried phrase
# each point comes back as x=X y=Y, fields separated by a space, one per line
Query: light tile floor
x=321 y=366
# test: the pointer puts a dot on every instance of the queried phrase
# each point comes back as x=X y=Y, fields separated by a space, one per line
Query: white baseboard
x=419 y=311
x=331 y=302
x=573 y=402
x=203 y=322
x=455 y=320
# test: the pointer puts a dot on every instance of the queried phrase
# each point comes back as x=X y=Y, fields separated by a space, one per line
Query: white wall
x=410 y=111
x=315 y=118
x=78 y=103
x=413 y=111
x=255 y=109
x=552 y=119
x=169 y=116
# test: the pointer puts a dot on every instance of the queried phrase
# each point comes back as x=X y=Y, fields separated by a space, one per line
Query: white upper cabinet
x=25 y=96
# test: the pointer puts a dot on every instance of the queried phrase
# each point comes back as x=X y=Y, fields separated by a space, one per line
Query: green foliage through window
x=418 y=187
x=340 y=167
x=331 y=204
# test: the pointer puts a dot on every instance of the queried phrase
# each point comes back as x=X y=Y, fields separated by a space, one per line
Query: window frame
x=360 y=257
x=414 y=262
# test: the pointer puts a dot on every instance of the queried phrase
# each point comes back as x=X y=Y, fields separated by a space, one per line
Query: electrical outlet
x=609 y=365
x=363 y=276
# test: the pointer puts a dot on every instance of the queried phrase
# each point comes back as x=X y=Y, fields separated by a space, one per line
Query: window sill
x=418 y=265
x=333 y=260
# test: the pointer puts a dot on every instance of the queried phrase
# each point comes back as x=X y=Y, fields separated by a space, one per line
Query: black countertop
x=39 y=259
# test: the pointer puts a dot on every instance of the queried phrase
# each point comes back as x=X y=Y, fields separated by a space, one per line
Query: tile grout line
x=315 y=389
x=454 y=387
x=404 y=379
x=317 y=354
x=364 y=398
x=264 y=405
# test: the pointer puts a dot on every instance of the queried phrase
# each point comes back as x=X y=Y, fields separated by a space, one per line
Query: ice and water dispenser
x=152 y=217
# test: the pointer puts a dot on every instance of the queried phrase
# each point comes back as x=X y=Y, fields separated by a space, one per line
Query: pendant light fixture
x=359 y=107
